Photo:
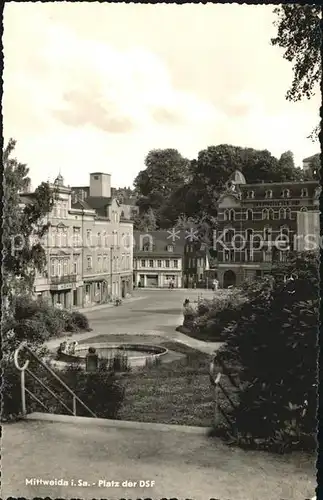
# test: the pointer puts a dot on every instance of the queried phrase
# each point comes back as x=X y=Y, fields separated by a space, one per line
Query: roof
x=238 y=178
x=309 y=158
x=160 y=241
x=81 y=205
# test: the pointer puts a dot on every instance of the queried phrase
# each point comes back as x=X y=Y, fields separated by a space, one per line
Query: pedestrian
x=215 y=285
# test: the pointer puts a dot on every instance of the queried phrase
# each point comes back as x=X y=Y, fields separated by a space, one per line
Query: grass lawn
x=177 y=392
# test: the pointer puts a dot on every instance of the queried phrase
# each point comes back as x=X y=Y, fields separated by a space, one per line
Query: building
x=158 y=259
x=258 y=224
x=88 y=246
x=310 y=162
x=198 y=265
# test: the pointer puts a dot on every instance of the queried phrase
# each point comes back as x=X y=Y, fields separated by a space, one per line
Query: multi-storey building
x=197 y=265
x=158 y=259
x=258 y=224
x=88 y=247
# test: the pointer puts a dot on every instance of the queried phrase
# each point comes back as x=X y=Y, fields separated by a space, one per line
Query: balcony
x=60 y=280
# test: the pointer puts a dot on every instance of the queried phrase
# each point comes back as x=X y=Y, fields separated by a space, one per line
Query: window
x=304 y=193
x=146 y=244
x=228 y=235
x=250 y=194
x=151 y=263
x=303 y=209
x=167 y=263
x=99 y=240
x=176 y=263
x=75 y=265
x=65 y=267
x=64 y=237
x=143 y=263
x=285 y=193
x=267 y=256
x=105 y=239
x=232 y=215
x=271 y=214
x=249 y=235
x=89 y=262
x=267 y=233
x=99 y=263
x=265 y=214
x=249 y=214
x=228 y=255
x=269 y=194
x=226 y=215
x=159 y=263
x=282 y=213
x=89 y=237
x=59 y=267
x=76 y=236
x=288 y=213
x=52 y=267
x=104 y=263
x=170 y=248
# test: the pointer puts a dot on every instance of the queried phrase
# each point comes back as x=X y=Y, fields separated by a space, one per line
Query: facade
x=197 y=269
x=309 y=162
x=88 y=247
x=258 y=224
x=158 y=259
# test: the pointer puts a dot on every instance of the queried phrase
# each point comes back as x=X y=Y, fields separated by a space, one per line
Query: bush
x=275 y=342
x=80 y=321
x=215 y=316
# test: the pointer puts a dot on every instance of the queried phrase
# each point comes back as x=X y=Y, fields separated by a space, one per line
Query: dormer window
x=170 y=248
x=304 y=193
x=250 y=194
x=269 y=194
x=285 y=193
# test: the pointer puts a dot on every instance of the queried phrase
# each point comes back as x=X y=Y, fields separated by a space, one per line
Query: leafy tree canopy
x=299 y=34
x=23 y=226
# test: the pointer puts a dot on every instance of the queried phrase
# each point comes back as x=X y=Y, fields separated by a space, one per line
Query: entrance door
x=123 y=289
x=229 y=279
x=152 y=281
x=74 y=297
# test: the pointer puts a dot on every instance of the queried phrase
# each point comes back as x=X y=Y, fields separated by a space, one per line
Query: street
x=148 y=310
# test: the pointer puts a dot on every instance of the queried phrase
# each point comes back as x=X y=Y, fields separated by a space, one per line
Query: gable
x=228 y=201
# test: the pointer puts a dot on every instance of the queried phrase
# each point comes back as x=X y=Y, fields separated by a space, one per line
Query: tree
x=23 y=227
x=299 y=34
x=275 y=342
x=146 y=221
x=286 y=168
x=166 y=170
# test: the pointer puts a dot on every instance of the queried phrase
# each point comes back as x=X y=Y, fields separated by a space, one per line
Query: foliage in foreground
x=275 y=342
x=36 y=321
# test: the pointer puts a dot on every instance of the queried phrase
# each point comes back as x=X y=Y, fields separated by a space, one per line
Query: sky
x=93 y=87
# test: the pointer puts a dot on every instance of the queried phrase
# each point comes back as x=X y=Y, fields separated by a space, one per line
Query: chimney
x=100 y=185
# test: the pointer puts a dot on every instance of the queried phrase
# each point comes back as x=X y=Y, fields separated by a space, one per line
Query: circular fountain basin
x=137 y=354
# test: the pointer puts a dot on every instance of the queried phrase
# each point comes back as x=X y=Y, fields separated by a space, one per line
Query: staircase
x=24 y=369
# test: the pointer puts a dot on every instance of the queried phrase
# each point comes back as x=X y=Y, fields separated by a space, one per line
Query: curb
x=116 y=424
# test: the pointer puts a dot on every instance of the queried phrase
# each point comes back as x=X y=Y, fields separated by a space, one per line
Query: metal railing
x=66 y=278
x=24 y=389
x=215 y=379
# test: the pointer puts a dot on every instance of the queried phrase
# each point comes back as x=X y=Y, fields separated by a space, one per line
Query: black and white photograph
x=161 y=250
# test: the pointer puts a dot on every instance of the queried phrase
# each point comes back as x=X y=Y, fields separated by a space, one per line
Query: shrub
x=215 y=316
x=80 y=321
x=275 y=342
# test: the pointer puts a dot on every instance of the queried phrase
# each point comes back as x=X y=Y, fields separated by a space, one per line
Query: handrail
x=24 y=368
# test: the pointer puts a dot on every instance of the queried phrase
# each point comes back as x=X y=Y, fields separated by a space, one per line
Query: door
x=229 y=279
x=152 y=281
